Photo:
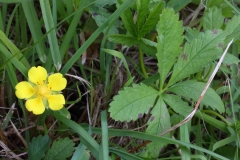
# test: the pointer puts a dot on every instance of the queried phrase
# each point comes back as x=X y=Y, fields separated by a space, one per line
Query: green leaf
x=192 y=89
x=123 y=39
x=224 y=142
x=127 y=19
x=38 y=146
x=52 y=37
x=132 y=102
x=177 y=5
x=35 y=28
x=191 y=33
x=232 y=29
x=152 y=19
x=101 y=15
x=177 y=104
x=142 y=12
x=230 y=59
x=121 y=56
x=169 y=41
x=60 y=150
x=148 y=47
x=197 y=54
x=158 y=123
x=90 y=40
x=213 y=19
x=81 y=153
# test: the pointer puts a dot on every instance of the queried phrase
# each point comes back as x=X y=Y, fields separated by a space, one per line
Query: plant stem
x=218 y=115
x=141 y=61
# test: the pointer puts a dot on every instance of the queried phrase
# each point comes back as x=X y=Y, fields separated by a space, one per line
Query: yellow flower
x=42 y=91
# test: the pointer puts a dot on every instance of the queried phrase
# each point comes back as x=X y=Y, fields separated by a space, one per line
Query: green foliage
x=213 y=19
x=146 y=21
x=60 y=149
x=132 y=102
x=177 y=104
x=192 y=89
x=169 y=41
x=197 y=54
x=158 y=123
x=178 y=4
x=38 y=147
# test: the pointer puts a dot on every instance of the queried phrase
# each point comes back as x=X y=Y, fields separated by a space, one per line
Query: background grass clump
x=134 y=69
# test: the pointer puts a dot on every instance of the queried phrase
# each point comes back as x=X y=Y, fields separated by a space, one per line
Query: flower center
x=42 y=90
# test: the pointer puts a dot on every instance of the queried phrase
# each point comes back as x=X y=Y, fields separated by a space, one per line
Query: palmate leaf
x=60 y=150
x=152 y=19
x=142 y=12
x=123 y=39
x=192 y=89
x=132 y=102
x=127 y=19
x=197 y=54
x=158 y=123
x=213 y=19
x=169 y=38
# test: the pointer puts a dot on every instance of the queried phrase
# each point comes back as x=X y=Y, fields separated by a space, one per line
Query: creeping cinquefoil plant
x=42 y=91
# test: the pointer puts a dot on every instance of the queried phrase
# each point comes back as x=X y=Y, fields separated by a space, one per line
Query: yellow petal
x=37 y=75
x=56 y=82
x=24 y=90
x=35 y=105
x=56 y=102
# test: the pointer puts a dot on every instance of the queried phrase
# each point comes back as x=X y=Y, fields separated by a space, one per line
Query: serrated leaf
x=191 y=33
x=38 y=146
x=132 y=102
x=213 y=19
x=230 y=59
x=148 y=47
x=158 y=123
x=142 y=12
x=60 y=150
x=169 y=38
x=192 y=89
x=152 y=19
x=123 y=39
x=232 y=29
x=177 y=104
x=127 y=19
x=197 y=54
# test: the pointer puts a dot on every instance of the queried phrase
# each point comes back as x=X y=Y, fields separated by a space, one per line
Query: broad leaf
x=60 y=150
x=158 y=123
x=197 y=54
x=148 y=47
x=123 y=39
x=177 y=104
x=192 y=89
x=213 y=19
x=142 y=12
x=127 y=19
x=169 y=38
x=232 y=29
x=191 y=34
x=132 y=102
x=38 y=147
x=152 y=19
